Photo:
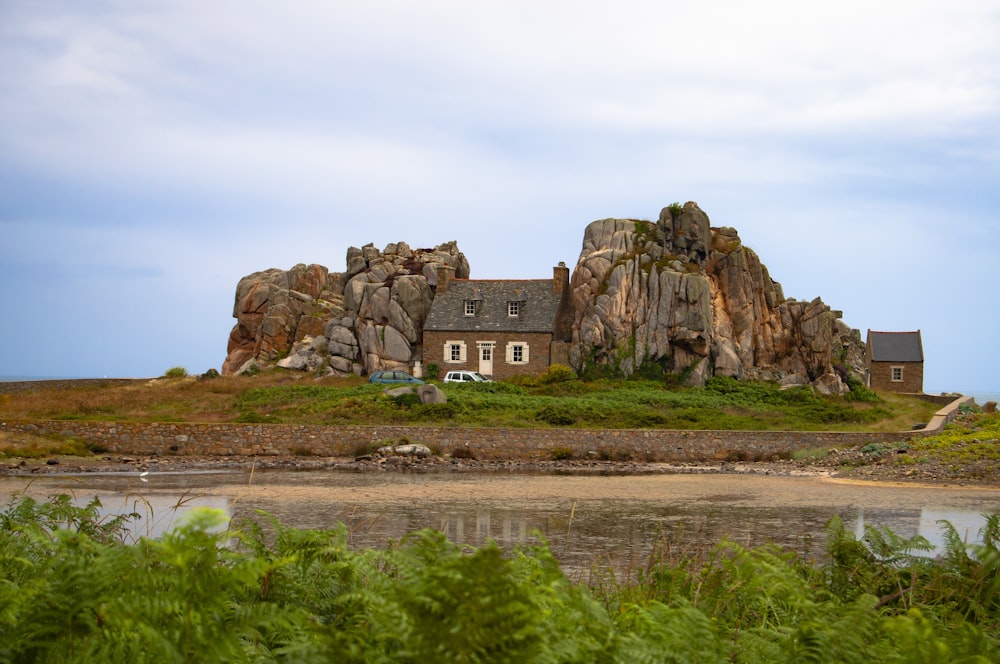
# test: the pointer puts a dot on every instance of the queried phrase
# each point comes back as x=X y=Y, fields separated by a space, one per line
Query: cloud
x=171 y=144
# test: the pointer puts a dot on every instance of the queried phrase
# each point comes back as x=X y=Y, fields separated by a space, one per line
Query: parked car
x=465 y=377
x=393 y=377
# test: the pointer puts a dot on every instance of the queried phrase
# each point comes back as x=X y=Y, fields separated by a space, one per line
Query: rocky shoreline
x=848 y=465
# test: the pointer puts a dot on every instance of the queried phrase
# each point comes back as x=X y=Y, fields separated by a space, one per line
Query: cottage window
x=513 y=308
x=454 y=351
x=897 y=374
x=517 y=352
x=470 y=307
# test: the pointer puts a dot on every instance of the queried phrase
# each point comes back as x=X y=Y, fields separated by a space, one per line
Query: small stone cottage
x=498 y=327
x=894 y=361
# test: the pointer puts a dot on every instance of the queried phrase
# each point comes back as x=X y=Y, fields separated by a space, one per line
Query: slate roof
x=896 y=346
x=538 y=305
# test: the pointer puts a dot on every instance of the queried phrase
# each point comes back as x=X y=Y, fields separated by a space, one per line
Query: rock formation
x=368 y=318
x=692 y=299
x=676 y=296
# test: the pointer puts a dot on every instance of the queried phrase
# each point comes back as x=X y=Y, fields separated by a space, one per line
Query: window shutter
x=446 y=354
x=462 y=351
x=510 y=353
x=524 y=353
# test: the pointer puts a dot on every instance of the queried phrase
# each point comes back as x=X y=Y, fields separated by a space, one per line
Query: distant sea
x=16 y=379
x=983 y=397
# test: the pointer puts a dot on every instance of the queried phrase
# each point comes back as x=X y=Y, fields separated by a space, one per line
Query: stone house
x=894 y=361
x=498 y=327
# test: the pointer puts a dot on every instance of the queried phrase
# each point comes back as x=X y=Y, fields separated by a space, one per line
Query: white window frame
x=896 y=374
x=470 y=307
x=525 y=358
x=513 y=308
x=448 y=356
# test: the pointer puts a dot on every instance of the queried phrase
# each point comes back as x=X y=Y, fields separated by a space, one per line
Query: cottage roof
x=536 y=309
x=895 y=346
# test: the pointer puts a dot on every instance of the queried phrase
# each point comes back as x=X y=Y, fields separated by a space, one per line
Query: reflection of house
x=894 y=361
x=498 y=327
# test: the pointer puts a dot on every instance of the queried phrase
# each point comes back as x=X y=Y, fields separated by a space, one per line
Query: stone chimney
x=443 y=276
x=560 y=278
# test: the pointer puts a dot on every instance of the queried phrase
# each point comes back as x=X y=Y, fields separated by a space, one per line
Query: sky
x=153 y=153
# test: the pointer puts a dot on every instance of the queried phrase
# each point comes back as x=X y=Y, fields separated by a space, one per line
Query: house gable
x=499 y=327
x=895 y=361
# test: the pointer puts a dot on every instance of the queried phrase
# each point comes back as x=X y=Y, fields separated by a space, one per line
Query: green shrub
x=860 y=393
x=253 y=417
x=561 y=453
x=437 y=412
x=39 y=447
x=176 y=372
x=556 y=373
x=611 y=454
x=407 y=400
x=555 y=415
x=811 y=454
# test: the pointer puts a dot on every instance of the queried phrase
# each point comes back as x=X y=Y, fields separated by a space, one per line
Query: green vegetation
x=176 y=372
x=557 y=398
x=78 y=588
x=722 y=404
x=36 y=446
x=972 y=436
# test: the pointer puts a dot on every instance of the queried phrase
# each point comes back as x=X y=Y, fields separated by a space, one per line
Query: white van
x=465 y=377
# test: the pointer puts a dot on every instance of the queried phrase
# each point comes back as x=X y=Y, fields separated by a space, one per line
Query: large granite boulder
x=370 y=317
x=693 y=300
x=276 y=308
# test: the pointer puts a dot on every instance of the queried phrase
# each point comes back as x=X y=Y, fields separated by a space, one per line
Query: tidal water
x=611 y=522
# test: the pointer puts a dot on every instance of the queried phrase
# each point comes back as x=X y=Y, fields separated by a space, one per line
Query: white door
x=486 y=358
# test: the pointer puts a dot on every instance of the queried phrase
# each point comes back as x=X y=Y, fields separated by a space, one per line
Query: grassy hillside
x=548 y=401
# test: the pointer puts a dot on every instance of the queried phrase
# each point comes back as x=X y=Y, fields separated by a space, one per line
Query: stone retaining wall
x=144 y=438
x=484 y=443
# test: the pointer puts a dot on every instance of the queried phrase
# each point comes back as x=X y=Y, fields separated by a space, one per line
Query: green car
x=394 y=377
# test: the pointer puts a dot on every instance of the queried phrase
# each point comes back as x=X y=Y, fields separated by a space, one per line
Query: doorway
x=486 y=357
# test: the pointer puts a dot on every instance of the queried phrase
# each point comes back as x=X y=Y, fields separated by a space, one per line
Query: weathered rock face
x=695 y=301
x=368 y=318
x=678 y=294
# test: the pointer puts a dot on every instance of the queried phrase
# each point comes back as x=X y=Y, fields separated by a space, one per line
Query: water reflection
x=605 y=521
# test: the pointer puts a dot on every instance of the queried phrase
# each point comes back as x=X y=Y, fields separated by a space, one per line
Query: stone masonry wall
x=538 y=352
x=913 y=377
x=165 y=439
